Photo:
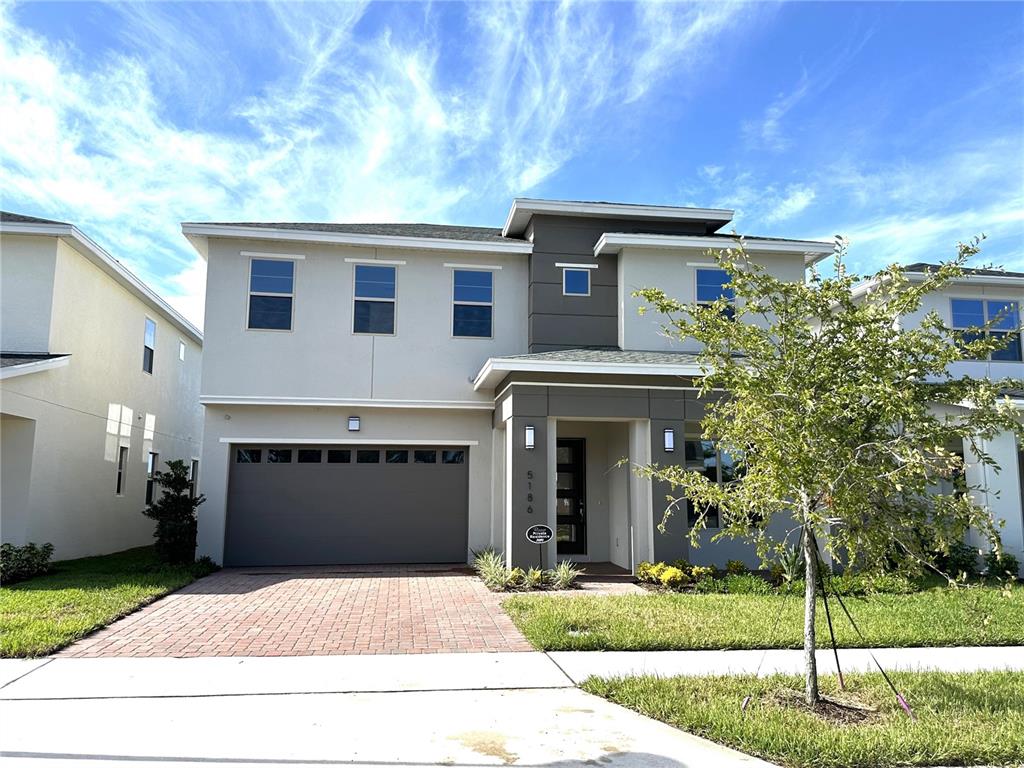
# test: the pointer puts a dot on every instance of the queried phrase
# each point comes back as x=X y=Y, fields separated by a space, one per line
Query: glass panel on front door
x=570 y=491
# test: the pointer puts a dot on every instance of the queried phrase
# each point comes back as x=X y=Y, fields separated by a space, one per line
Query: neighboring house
x=413 y=393
x=981 y=296
x=99 y=385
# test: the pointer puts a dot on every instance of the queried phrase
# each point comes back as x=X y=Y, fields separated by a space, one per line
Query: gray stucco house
x=414 y=392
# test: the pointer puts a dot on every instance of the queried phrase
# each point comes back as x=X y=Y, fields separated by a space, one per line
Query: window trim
x=985 y=301
x=145 y=346
x=394 y=301
x=451 y=324
x=249 y=293
x=585 y=271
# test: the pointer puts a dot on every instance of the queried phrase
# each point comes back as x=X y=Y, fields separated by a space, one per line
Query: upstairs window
x=149 y=346
x=712 y=285
x=271 y=294
x=374 y=310
x=181 y=350
x=575 y=282
x=473 y=304
x=971 y=314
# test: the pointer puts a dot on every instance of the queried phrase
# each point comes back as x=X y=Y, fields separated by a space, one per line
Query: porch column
x=528 y=488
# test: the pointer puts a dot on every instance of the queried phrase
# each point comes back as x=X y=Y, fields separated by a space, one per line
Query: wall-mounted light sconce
x=353 y=423
x=530 y=438
x=670 y=440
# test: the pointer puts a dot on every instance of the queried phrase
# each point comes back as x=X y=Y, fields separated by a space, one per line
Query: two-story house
x=99 y=386
x=413 y=393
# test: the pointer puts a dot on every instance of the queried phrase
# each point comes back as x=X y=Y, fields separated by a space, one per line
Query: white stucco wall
x=385 y=425
x=26 y=291
x=322 y=358
x=675 y=272
x=72 y=501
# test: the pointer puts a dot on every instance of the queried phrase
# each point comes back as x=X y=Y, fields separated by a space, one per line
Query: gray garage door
x=325 y=505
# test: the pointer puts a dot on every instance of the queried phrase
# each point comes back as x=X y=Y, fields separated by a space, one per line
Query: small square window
x=576 y=282
x=396 y=456
x=425 y=457
x=453 y=457
x=279 y=456
x=310 y=455
x=249 y=456
x=339 y=456
x=368 y=457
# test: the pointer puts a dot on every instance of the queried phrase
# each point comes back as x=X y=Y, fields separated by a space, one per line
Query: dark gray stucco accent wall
x=559 y=322
x=529 y=483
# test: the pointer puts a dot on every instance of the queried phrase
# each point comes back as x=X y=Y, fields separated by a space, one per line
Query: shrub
x=490 y=567
x=709 y=585
x=673 y=577
x=565 y=574
x=1001 y=565
x=175 y=515
x=735 y=567
x=516 y=579
x=746 y=584
x=702 y=573
x=19 y=563
x=790 y=565
x=683 y=565
x=537 y=578
x=644 y=573
x=204 y=566
x=960 y=560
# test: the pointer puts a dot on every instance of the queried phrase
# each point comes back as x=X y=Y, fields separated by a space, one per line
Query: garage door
x=321 y=505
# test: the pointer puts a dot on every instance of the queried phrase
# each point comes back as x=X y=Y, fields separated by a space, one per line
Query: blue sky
x=900 y=126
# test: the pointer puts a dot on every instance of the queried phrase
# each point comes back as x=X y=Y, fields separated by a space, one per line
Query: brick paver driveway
x=315 y=611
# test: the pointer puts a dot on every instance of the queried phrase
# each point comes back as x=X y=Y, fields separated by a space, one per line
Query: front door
x=571 y=496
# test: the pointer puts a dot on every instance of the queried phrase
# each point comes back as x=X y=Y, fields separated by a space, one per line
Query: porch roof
x=590 y=360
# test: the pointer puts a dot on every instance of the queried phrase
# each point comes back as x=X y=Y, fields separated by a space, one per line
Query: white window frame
x=121 y=478
x=451 y=323
x=585 y=270
x=370 y=263
x=984 y=309
x=145 y=346
x=249 y=293
x=182 y=346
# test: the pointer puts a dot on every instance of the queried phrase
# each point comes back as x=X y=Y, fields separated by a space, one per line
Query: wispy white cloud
x=342 y=125
x=797 y=198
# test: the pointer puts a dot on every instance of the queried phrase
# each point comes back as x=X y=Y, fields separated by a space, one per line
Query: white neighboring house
x=99 y=383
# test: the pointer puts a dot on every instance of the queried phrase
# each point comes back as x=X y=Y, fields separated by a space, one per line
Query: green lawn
x=962 y=718
x=46 y=613
x=970 y=616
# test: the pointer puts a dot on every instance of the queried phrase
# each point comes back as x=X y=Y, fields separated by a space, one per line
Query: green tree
x=175 y=515
x=840 y=415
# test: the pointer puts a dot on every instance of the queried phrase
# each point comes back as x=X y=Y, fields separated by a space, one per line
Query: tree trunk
x=810 y=605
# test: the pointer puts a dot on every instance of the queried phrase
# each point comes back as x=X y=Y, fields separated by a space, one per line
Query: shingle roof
x=922 y=266
x=6 y=217
x=608 y=355
x=436 y=231
x=8 y=359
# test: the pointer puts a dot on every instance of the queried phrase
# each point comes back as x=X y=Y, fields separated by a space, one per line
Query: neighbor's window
x=271 y=294
x=374 y=310
x=249 y=456
x=575 y=282
x=1004 y=316
x=152 y=463
x=149 y=346
x=712 y=285
x=193 y=478
x=181 y=350
x=122 y=466
x=473 y=303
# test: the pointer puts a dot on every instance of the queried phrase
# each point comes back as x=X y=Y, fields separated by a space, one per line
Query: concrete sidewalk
x=459 y=709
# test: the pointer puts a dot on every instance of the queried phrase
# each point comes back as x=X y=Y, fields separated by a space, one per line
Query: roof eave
x=813 y=251
x=198 y=233
x=524 y=208
x=34 y=366
x=496 y=368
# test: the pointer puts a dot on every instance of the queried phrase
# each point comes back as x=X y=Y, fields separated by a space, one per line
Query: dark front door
x=571 y=496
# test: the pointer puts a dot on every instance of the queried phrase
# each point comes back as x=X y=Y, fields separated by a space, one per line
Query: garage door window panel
x=271 y=294
x=249 y=456
x=339 y=456
x=310 y=456
x=396 y=456
x=368 y=457
x=453 y=457
x=425 y=457
x=375 y=299
x=279 y=456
